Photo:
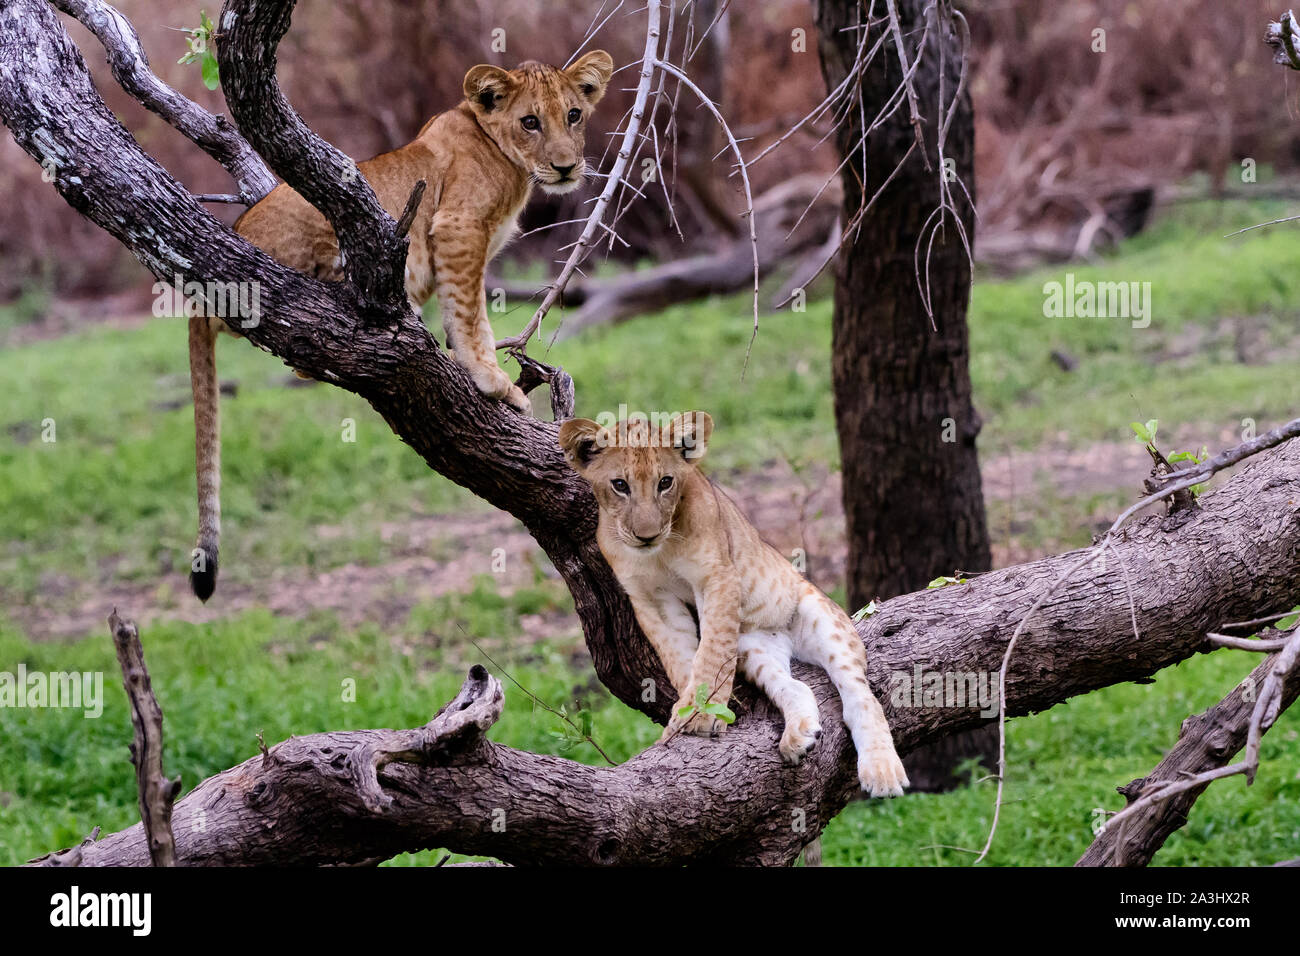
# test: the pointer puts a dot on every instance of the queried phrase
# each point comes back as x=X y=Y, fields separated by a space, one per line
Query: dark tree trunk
x=912 y=498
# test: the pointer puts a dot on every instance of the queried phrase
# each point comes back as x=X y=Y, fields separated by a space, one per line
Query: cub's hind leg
x=825 y=636
x=765 y=662
x=460 y=252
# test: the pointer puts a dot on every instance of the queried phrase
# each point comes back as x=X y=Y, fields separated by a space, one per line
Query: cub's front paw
x=881 y=772
x=799 y=738
x=518 y=399
x=492 y=381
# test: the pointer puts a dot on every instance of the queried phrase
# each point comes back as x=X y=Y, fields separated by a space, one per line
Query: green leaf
x=684 y=711
x=702 y=696
x=865 y=612
x=722 y=712
x=1142 y=432
x=943 y=582
x=211 y=77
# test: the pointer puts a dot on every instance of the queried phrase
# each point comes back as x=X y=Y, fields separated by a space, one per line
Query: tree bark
x=694 y=800
x=345 y=797
x=913 y=503
x=1206 y=741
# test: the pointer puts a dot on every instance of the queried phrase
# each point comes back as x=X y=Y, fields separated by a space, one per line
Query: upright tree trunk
x=912 y=496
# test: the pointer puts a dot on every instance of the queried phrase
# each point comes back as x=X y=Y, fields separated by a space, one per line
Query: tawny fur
x=684 y=551
x=479 y=162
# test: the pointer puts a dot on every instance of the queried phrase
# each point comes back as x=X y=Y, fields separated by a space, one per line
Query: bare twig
x=211 y=133
x=157 y=793
x=744 y=176
x=1187 y=478
x=587 y=239
x=901 y=49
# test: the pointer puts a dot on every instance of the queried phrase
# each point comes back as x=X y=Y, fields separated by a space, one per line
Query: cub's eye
x=531 y=123
x=575 y=114
x=620 y=486
x=665 y=482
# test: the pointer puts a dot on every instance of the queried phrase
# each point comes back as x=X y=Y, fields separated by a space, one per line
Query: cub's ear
x=488 y=87
x=582 y=440
x=690 y=432
x=591 y=73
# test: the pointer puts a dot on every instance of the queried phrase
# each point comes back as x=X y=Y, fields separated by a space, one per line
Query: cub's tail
x=207 y=454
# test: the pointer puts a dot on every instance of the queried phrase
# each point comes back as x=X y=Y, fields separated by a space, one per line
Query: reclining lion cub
x=682 y=550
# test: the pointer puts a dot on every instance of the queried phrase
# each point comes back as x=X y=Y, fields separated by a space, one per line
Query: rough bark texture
x=913 y=504
x=1205 y=742
x=731 y=800
x=156 y=791
x=694 y=800
x=130 y=65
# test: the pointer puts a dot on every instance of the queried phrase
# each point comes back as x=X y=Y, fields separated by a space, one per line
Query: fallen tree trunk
x=726 y=801
x=732 y=801
x=783 y=239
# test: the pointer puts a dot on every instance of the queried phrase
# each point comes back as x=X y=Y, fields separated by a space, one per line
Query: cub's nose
x=563 y=170
x=646 y=542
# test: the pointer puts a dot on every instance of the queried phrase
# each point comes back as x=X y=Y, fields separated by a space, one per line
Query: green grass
x=115 y=490
x=221 y=684
x=110 y=502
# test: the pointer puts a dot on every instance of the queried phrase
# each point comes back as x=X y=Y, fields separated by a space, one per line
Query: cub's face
x=637 y=472
x=538 y=114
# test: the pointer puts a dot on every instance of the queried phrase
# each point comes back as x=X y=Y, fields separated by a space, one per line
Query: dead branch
x=156 y=792
x=1104 y=545
x=1283 y=36
x=1158 y=804
x=729 y=269
x=612 y=182
x=211 y=133
x=731 y=800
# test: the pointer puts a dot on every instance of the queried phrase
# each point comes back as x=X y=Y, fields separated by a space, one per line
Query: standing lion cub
x=515 y=129
x=683 y=551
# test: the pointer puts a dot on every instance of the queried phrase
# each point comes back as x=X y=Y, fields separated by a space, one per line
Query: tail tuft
x=204 y=582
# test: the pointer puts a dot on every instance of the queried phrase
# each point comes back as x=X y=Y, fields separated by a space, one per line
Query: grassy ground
x=109 y=503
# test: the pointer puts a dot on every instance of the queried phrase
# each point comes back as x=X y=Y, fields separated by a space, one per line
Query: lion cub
x=683 y=551
x=514 y=129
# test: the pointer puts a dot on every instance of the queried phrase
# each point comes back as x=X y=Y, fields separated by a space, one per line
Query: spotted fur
x=515 y=129
x=684 y=552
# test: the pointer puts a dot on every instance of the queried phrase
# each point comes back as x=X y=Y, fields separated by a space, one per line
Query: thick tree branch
x=210 y=132
x=373 y=252
x=731 y=800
